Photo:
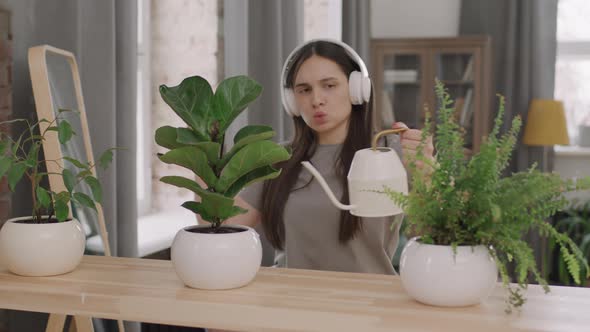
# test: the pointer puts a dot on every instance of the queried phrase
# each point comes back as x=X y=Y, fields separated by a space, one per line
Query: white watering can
x=371 y=170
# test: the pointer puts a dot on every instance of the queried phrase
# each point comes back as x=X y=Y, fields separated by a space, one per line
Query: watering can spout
x=325 y=186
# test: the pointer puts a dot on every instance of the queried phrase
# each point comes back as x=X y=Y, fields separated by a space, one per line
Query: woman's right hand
x=410 y=140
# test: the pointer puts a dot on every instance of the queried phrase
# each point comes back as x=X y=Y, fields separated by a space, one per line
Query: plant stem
x=36 y=214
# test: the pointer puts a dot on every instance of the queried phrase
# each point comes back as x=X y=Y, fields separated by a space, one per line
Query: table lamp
x=545 y=125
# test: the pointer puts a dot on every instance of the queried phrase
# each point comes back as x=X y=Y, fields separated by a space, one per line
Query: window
x=572 y=68
x=322 y=19
x=144 y=168
x=174 y=40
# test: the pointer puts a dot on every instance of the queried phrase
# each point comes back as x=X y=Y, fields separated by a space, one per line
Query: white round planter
x=434 y=275
x=40 y=250
x=216 y=261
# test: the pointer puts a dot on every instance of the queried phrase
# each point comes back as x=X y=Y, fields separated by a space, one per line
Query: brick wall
x=183 y=43
x=5 y=100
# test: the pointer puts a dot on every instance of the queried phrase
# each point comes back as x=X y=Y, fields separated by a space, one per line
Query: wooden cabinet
x=404 y=72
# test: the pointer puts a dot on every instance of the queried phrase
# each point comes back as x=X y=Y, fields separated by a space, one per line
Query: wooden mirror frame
x=45 y=110
x=52 y=149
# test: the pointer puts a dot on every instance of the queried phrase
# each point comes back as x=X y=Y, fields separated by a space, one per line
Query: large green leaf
x=33 y=155
x=167 y=137
x=186 y=136
x=173 y=138
x=253 y=130
x=192 y=101
x=252 y=156
x=84 y=200
x=15 y=173
x=43 y=197
x=64 y=131
x=17 y=144
x=69 y=179
x=232 y=96
x=259 y=174
x=76 y=162
x=198 y=208
x=106 y=158
x=62 y=209
x=214 y=204
x=183 y=182
x=211 y=149
x=4 y=144
x=95 y=187
x=5 y=164
x=246 y=136
x=193 y=159
x=201 y=209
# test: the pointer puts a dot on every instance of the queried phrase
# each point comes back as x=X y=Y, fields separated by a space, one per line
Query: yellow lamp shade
x=545 y=123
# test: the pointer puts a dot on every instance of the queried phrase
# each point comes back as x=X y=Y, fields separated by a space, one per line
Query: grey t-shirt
x=312 y=224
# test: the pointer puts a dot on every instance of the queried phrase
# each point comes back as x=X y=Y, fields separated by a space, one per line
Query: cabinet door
x=456 y=69
x=400 y=91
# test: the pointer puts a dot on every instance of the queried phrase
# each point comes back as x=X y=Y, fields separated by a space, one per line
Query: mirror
x=56 y=87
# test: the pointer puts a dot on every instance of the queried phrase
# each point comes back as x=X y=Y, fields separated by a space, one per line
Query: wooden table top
x=278 y=300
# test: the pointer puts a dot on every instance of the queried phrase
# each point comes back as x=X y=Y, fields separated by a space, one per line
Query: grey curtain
x=109 y=72
x=102 y=35
x=258 y=37
x=275 y=28
x=524 y=45
x=356 y=27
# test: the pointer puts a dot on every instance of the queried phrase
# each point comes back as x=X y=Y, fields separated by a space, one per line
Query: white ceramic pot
x=40 y=250
x=433 y=275
x=216 y=261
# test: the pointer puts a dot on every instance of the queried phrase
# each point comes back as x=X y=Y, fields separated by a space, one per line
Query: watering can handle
x=385 y=132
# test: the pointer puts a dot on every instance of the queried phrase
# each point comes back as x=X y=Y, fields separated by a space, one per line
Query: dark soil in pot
x=32 y=221
x=218 y=230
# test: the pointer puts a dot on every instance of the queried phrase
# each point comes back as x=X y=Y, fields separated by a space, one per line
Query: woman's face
x=322 y=97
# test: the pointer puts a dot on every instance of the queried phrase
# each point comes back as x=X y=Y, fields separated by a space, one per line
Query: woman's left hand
x=410 y=140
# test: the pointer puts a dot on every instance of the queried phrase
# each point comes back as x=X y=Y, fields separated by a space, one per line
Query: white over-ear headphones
x=359 y=83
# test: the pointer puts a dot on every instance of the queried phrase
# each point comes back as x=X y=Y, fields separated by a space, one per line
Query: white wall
x=414 y=18
x=322 y=19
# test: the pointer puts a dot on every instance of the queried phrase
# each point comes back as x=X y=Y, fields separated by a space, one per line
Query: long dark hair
x=304 y=143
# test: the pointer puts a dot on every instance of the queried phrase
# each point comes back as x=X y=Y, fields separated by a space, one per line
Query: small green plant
x=461 y=201
x=20 y=158
x=199 y=147
x=576 y=224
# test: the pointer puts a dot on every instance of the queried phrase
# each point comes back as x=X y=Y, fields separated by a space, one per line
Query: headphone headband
x=360 y=87
x=349 y=50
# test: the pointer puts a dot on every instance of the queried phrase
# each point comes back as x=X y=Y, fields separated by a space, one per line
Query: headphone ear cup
x=366 y=89
x=355 y=88
x=289 y=102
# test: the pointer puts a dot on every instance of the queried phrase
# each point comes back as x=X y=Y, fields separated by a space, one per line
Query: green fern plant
x=461 y=201
x=576 y=224
x=199 y=146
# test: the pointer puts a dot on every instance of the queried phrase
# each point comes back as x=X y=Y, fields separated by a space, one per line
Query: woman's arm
x=251 y=218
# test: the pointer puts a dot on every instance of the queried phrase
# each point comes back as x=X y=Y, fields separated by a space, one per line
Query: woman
x=328 y=93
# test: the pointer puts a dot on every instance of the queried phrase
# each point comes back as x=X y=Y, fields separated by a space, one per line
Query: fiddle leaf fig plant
x=457 y=201
x=199 y=147
x=20 y=158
